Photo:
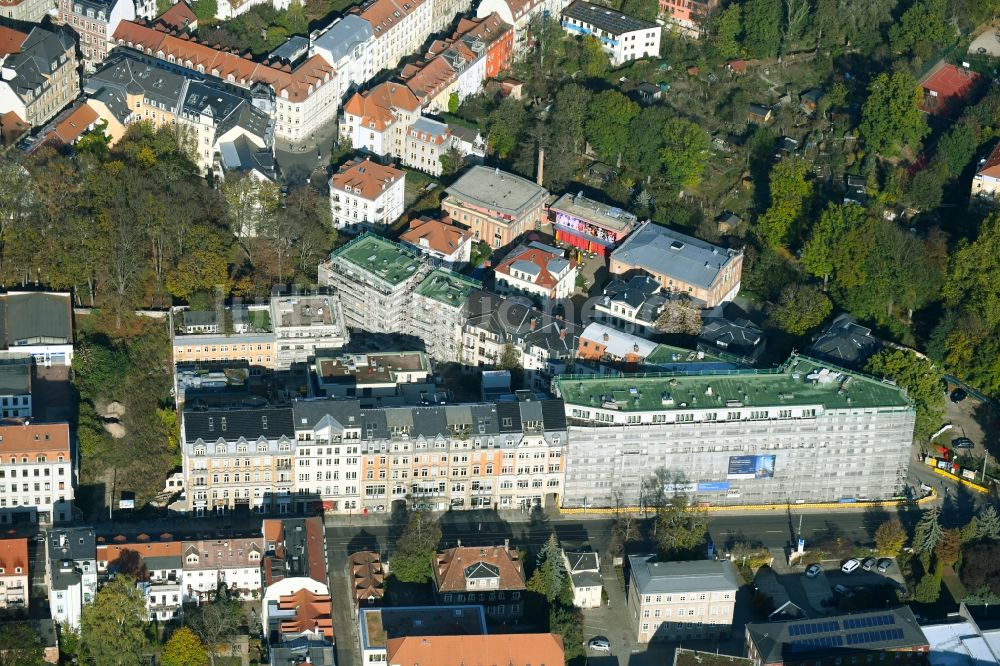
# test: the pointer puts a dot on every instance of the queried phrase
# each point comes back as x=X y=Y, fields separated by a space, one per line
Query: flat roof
x=497 y=190
x=595 y=212
x=663 y=251
x=306 y=311
x=383 y=258
x=447 y=287
x=608 y=20
x=370 y=368
x=379 y=625
x=799 y=381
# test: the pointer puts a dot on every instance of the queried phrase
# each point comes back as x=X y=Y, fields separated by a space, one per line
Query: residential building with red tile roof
x=986 y=182
x=295 y=548
x=157 y=565
x=96 y=21
x=12 y=127
x=447 y=244
x=538 y=271
x=304 y=98
x=947 y=88
x=490 y=575
x=399 y=27
x=519 y=14
x=234 y=562
x=377 y=120
x=305 y=612
x=39 y=455
x=179 y=17
x=365 y=195
x=14 y=583
x=484 y=650
x=83 y=119
x=368 y=578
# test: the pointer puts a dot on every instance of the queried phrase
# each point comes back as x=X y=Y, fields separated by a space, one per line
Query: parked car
x=844 y=590
x=599 y=644
x=850 y=566
x=962 y=443
x=958 y=395
x=869 y=563
x=884 y=565
x=813 y=570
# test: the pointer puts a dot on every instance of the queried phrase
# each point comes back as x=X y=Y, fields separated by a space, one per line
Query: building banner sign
x=680 y=488
x=751 y=467
x=712 y=486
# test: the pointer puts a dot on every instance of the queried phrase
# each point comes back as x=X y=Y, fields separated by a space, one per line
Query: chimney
x=534 y=323
x=506 y=545
x=541 y=166
x=562 y=333
x=459 y=543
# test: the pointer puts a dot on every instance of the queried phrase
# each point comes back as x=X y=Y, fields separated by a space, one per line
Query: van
x=850 y=566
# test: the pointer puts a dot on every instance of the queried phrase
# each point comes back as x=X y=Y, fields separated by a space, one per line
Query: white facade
x=399 y=32
x=304 y=324
x=519 y=13
x=227 y=9
x=622 y=37
x=346 y=44
x=351 y=209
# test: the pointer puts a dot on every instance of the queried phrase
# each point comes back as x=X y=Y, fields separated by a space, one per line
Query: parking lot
x=821 y=596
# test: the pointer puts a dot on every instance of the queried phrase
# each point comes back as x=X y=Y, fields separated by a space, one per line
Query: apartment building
x=239 y=457
x=162 y=582
x=501 y=455
x=632 y=305
x=520 y=13
x=590 y=225
x=682 y=264
x=251 y=337
x=399 y=28
x=804 y=431
x=298 y=100
x=295 y=555
x=304 y=325
x=39 y=323
x=517 y=649
x=27 y=11
x=95 y=23
x=15 y=387
x=538 y=271
x=427 y=141
x=39 y=73
x=378 y=120
x=232 y=562
x=366 y=195
x=622 y=37
x=346 y=45
x=37 y=473
x=439 y=312
x=375 y=279
x=490 y=575
x=687 y=15
x=71 y=574
x=497 y=206
x=376 y=379
x=443 y=243
x=14 y=577
x=378 y=626
x=681 y=601
x=300 y=625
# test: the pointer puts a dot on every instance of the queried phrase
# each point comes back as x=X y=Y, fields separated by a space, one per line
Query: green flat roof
x=447 y=287
x=797 y=382
x=387 y=260
x=671 y=354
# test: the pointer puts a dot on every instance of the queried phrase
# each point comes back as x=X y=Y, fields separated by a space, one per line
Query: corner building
x=803 y=432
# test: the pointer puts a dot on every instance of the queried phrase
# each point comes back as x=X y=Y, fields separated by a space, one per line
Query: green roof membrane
x=800 y=381
x=447 y=287
x=383 y=258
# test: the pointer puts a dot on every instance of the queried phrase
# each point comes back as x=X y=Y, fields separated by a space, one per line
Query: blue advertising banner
x=751 y=467
x=712 y=486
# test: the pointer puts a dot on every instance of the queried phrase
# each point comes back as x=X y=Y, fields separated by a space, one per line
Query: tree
x=826 y=24
x=984 y=10
x=112 y=627
x=796 y=21
x=957 y=147
x=921 y=29
x=679 y=316
x=802 y=307
x=922 y=382
x=973 y=267
x=505 y=126
x=890 y=537
x=594 y=61
x=20 y=645
x=205 y=10
x=988 y=524
x=550 y=578
x=948 y=548
x=608 y=121
x=184 y=649
x=928 y=531
x=567 y=622
x=762 y=22
x=928 y=589
x=979 y=567
x=510 y=358
x=891 y=115
x=726 y=30
x=204 y=267
x=453 y=103
x=413 y=558
x=834 y=222
x=680 y=529
x=216 y=623
x=451 y=162
x=685 y=152
x=791 y=192
x=644 y=10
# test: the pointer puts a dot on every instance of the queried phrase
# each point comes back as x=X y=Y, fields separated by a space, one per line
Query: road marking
x=775 y=531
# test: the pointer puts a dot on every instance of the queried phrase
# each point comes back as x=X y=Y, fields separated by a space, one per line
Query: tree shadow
x=363 y=540
x=873 y=518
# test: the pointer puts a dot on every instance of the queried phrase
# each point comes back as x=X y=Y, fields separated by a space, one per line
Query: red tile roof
x=438 y=235
x=75 y=124
x=376 y=107
x=386 y=14
x=12 y=126
x=368 y=178
x=179 y=17
x=539 y=258
x=451 y=565
x=369 y=576
x=37 y=438
x=13 y=554
x=10 y=40
x=489 y=650
x=991 y=167
x=313 y=613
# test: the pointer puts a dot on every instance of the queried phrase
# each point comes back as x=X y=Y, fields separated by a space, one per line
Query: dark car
x=962 y=443
x=884 y=565
x=869 y=563
x=958 y=395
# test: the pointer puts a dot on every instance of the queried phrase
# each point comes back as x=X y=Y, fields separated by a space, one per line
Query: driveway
x=987 y=41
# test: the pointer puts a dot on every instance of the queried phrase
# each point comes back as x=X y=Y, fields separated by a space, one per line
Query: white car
x=813 y=570
x=850 y=566
x=599 y=644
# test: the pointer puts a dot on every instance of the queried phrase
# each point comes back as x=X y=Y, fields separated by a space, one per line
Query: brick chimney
x=541 y=166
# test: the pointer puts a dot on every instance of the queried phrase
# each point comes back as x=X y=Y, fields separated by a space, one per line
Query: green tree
x=505 y=126
x=205 y=10
x=891 y=115
x=922 y=382
x=567 y=622
x=988 y=524
x=184 y=649
x=112 y=628
x=801 y=308
x=890 y=537
x=984 y=10
x=834 y=222
x=928 y=531
x=957 y=147
x=594 y=61
x=973 y=280
x=685 y=152
x=928 y=589
x=550 y=578
x=680 y=529
x=20 y=645
x=644 y=10
x=608 y=121
x=791 y=192
x=204 y=267
x=416 y=547
x=216 y=623
x=453 y=103
x=921 y=29
x=762 y=23
x=725 y=31
x=827 y=25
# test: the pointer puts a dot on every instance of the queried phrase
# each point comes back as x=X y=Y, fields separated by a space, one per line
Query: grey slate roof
x=15 y=376
x=344 y=36
x=497 y=190
x=845 y=343
x=654 y=577
x=836 y=635
x=608 y=20
x=128 y=73
x=506 y=317
x=735 y=336
x=663 y=251
x=640 y=292
x=292 y=48
x=42 y=53
x=72 y=543
x=243 y=155
x=35 y=317
x=302 y=650
x=200 y=318
x=429 y=126
x=231 y=425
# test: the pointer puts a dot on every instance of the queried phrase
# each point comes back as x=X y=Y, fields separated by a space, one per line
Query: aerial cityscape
x=499 y=332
